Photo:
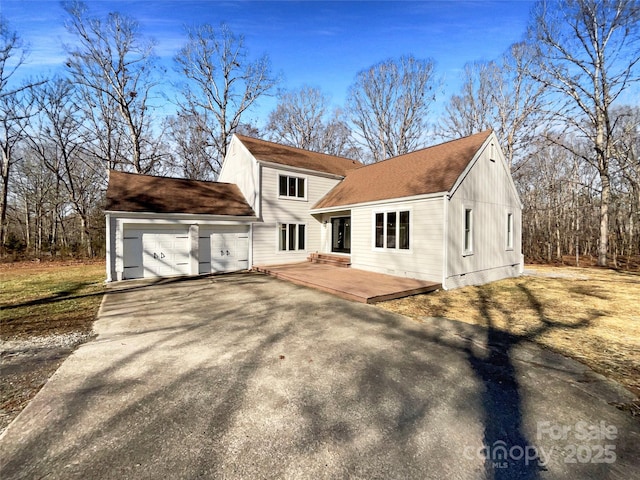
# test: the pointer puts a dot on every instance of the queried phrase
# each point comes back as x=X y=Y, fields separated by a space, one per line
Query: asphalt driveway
x=246 y=376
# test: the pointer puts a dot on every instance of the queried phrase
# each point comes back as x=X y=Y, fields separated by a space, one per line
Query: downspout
x=445 y=240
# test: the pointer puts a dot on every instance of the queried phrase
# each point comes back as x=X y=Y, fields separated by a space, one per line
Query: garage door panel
x=228 y=248
x=165 y=253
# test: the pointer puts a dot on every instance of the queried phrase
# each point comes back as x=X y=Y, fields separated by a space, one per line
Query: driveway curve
x=246 y=376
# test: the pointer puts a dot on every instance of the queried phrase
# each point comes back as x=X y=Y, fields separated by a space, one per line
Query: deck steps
x=328 y=259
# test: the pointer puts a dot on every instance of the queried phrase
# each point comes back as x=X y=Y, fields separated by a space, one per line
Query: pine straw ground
x=591 y=315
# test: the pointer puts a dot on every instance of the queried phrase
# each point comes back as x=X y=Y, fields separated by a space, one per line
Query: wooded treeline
x=563 y=101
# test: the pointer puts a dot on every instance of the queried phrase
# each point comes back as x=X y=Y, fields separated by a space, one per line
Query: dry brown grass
x=589 y=314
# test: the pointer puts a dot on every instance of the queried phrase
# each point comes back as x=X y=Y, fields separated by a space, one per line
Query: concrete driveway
x=245 y=376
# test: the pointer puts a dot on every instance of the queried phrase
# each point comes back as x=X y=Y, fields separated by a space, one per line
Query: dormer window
x=292 y=187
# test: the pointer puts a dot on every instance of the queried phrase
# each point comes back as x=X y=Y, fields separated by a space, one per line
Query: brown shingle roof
x=296 y=157
x=431 y=170
x=129 y=192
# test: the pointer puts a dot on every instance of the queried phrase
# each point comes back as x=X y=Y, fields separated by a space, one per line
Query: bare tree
x=190 y=142
x=57 y=144
x=222 y=83
x=114 y=66
x=302 y=119
x=389 y=105
x=499 y=95
x=587 y=55
x=472 y=110
x=14 y=110
x=298 y=119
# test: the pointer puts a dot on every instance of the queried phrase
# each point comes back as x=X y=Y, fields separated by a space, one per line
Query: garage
x=223 y=249
x=166 y=227
x=156 y=253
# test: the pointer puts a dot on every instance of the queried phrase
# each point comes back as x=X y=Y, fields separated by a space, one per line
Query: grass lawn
x=40 y=299
x=591 y=315
x=46 y=310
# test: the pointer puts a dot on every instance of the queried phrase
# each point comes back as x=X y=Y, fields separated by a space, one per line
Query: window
x=379 y=230
x=293 y=187
x=468 y=231
x=392 y=230
x=404 y=231
x=291 y=236
x=509 y=231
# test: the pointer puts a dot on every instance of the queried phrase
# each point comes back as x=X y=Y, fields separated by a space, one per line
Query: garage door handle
x=161 y=255
x=227 y=252
x=155 y=255
x=221 y=253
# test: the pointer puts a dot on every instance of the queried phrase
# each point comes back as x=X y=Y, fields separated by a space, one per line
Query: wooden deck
x=349 y=283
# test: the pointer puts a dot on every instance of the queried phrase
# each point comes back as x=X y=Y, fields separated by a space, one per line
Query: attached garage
x=155 y=253
x=223 y=249
x=164 y=227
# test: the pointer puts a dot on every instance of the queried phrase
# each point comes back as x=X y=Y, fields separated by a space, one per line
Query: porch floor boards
x=349 y=283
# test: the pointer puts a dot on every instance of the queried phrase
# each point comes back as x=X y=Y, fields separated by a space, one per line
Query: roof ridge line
x=427 y=148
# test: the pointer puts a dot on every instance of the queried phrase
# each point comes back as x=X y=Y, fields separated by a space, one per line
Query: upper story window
x=392 y=230
x=293 y=187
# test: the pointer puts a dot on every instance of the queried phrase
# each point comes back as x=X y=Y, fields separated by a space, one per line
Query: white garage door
x=158 y=253
x=224 y=249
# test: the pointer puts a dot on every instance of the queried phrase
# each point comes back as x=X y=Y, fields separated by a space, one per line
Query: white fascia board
x=413 y=198
x=306 y=171
x=181 y=218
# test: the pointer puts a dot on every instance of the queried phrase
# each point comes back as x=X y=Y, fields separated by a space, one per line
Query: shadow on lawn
x=126 y=286
x=501 y=398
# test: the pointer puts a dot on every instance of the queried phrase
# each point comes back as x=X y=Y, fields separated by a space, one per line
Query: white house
x=448 y=214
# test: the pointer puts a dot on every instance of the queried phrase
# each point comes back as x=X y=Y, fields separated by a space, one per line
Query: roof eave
x=308 y=171
x=412 y=198
x=182 y=215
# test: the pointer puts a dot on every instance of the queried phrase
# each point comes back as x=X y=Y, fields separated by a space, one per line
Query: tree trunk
x=5 y=195
x=605 y=199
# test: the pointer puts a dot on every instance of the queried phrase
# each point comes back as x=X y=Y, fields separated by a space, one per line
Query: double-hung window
x=392 y=230
x=292 y=187
x=291 y=236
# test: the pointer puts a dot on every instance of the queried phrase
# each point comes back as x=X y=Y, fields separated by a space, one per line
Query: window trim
x=287 y=228
x=467 y=250
x=305 y=184
x=385 y=223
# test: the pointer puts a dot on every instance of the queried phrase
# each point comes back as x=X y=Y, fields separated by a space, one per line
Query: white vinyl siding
x=488 y=192
x=242 y=169
x=277 y=211
x=424 y=257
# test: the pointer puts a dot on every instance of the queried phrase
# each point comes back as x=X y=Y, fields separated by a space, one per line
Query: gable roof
x=265 y=151
x=430 y=170
x=130 y=192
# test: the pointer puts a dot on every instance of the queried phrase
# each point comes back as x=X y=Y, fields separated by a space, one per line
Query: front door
x=341 y=234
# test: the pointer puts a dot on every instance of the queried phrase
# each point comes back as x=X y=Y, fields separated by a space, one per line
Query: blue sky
x=322 y=44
